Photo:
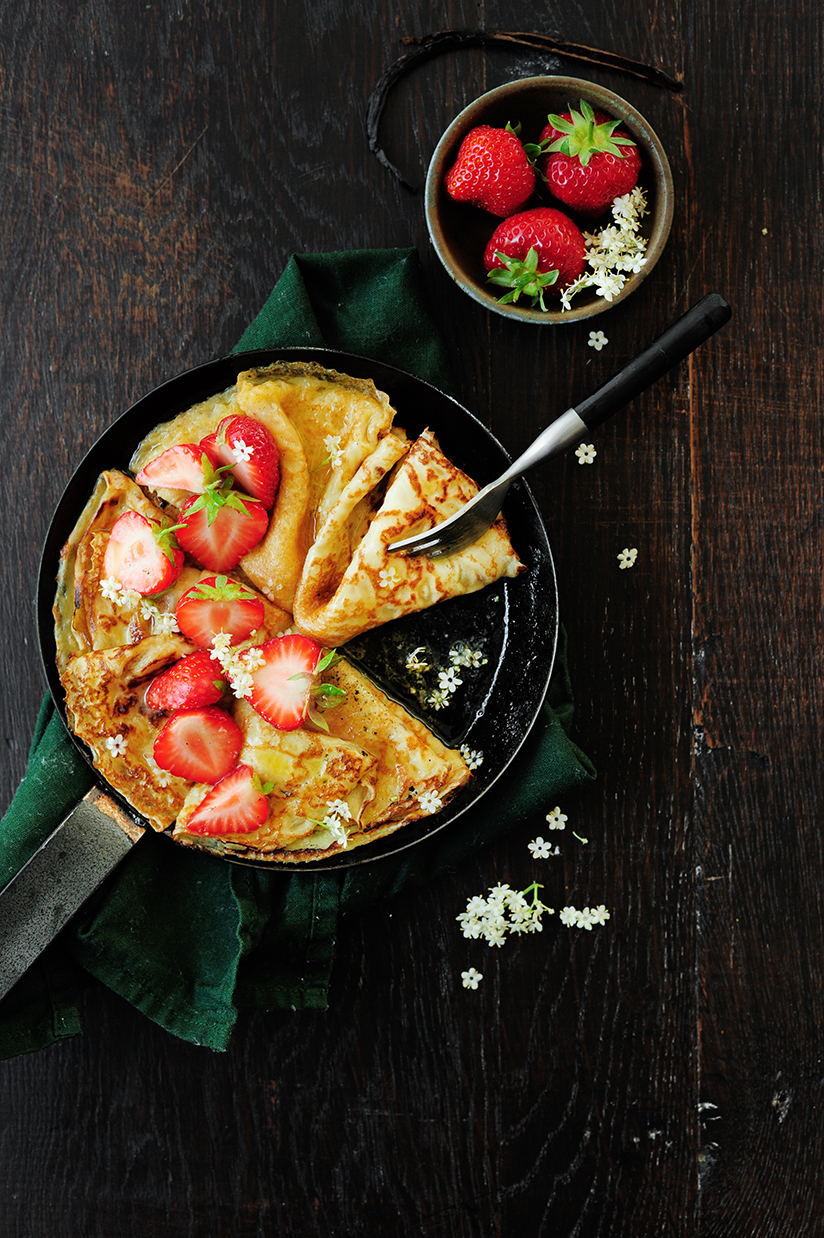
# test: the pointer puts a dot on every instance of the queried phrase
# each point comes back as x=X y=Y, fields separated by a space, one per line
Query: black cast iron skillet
x=514 y=623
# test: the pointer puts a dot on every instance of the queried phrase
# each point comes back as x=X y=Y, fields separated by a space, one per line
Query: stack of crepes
x=351 y=484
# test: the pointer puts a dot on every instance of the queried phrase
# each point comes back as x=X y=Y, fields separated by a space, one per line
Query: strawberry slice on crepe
x=182 y=467
x=191 y=682
x=219 y=604
x=142 y=555
x=238 y=804
x=201 y=745
x=250 y=449
x=283 y=673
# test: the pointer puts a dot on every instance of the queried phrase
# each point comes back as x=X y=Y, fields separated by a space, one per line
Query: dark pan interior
x=514 y=622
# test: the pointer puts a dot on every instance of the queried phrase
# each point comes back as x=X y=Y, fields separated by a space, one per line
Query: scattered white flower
x=430 y=801
x=332 y=445
x=236 y=664
x=448 y=680
x=556 y=820
x=416 y=664
x=163 y=623
x=388 y=576
x=438 y=699
x=614 y=253
x=471 y=979
x=473 y=759
x=627 y=558
x=462 y=655
x=338 y=830
x=597 y=340
x=161 y=776
x=586 y=453
x=340 y=808
x=243 y=452
x=540 y=850
x=116 y=744
x=504 y=911
x=573 y=918
x=113 y=590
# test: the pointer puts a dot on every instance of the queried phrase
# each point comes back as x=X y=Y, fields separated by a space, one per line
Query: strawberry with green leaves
x=142 y=555
x=238 y=804
x=221 y=525
x=588 y=161
x=191 y=682
x=534 y=254
x=248 y=447
x=219 y=604
x=492 y=171
x=181 y=467
x=284 y=691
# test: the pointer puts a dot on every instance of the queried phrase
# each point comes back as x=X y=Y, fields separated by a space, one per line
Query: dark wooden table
x=663 y=1075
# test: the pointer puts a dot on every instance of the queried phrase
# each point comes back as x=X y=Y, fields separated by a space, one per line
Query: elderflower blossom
x=388 y=577
x=243 y=452
x=416 y=664
x=448 y=680
x=614 y=253
x=332 y=445
x=163 y=623
x=504 y=911
x=627 y=558
x=338 y=811
x=116 y=744
x=430 y=801
x=586 y=453
x=589 y=916
x=556 y=820
x=541 y=849
x=473 y=758
x=597 y=340
x=161 y=776
x=114 y=591
x=438 y=699
x=462 y=655
x=236 y=664
x=471 y=979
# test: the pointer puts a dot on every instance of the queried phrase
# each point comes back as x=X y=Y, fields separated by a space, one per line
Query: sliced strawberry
x=235 y=805
x=281 y=687
x=179 y=468
x=251 y=450
x=220 y=526
x=192 y=681
x=218 y=604
x=201 y=745
x=142 y=554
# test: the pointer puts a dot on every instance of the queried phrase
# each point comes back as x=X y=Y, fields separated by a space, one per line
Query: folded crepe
x=350 y=580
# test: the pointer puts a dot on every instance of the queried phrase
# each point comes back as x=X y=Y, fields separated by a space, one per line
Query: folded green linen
x=186 y=938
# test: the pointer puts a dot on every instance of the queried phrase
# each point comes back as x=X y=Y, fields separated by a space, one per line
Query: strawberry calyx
x=218 y=492
x=582 y=136
x=221 y=589
x=522 y=277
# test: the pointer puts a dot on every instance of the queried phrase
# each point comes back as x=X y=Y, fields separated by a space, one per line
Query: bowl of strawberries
x=549 y=199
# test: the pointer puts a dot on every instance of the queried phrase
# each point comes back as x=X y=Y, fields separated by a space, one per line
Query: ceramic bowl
x=459 y=233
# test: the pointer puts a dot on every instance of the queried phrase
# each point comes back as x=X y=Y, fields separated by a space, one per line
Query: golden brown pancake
x=350 y=485
x=351 y=583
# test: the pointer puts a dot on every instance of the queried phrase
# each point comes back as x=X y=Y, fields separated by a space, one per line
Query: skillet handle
x=69 y=866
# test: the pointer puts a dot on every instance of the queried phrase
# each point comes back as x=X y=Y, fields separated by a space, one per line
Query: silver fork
x=676 y=343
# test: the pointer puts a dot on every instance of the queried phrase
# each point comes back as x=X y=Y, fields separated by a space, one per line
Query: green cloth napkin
x=188 y=939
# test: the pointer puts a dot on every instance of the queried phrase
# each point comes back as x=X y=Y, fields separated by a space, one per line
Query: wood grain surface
x=660 y=1077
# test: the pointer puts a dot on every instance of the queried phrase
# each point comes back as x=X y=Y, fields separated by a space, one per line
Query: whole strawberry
x=589 y=161
x=534 y=253
x=492 y=171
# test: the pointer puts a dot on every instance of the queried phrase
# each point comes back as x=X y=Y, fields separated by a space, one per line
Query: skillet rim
x=181 y=391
